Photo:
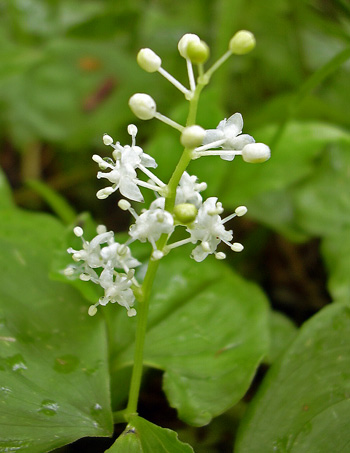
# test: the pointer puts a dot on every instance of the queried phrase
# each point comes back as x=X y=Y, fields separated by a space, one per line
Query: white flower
x=188 y=190
x=120 y=256
x=91 y=251
x=152 y=223
x=122 y=174
x=208 y=228
x=227 y=136
x=117 y=289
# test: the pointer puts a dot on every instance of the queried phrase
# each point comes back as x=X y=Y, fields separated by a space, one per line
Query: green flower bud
x=242 y=42
x=148 y=60
x=185 y=213
x=192 y=136
x=184 y=42
x=198 y=52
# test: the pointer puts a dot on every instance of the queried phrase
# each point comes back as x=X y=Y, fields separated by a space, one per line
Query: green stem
x=140 y=339
x=147 y=285
x=311 y=83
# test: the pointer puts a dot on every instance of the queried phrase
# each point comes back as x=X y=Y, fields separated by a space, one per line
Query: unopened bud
x=184 y=42
x=198 y=52
x=78 y=231
x=242 y=42
x=185 y=213
x=192 y=136
x=107 y=139
x=143 y=106
x=256 y=153
x=148 y=60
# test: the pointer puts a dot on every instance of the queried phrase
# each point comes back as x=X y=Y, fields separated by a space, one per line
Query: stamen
x=177 y=244
x=147 y=185
x=151 y=175
x=93 y=310
x=215 y=144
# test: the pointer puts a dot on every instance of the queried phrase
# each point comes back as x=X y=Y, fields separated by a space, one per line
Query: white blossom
x=228 y=135
x=122 y=170
x=208 y=228
x=116 y=289
x=152 y=223
x=188 y=190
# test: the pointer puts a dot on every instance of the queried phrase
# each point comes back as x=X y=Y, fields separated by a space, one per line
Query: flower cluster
x=178 y=203
x=97 y=261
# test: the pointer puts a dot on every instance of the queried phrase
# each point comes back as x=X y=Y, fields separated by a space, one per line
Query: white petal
x=129 y=189
x=234 y=125
x=212 y=135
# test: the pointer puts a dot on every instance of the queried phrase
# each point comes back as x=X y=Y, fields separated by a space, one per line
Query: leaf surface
x=53 y=357
x=303 y=405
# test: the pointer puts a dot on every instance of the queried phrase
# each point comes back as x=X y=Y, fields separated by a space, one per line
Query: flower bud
x=148 y=60
x=184 y=42
x=143 y=106
x=107 y=139
x=192 y=136
x=256 y=153
x=198 y=52
x=78 y=231
x=242 y=42
x=185 y=213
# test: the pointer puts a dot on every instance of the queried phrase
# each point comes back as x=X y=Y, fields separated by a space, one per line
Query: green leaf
x=293 y=160
x=283 y=330
x=303 y=404
x=207 y=330
x=336 y=252
x=141 y=436
x=58 y=204
x=53 y=356
x=323 y=202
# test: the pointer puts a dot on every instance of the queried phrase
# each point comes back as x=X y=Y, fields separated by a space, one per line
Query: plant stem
x=147 y=285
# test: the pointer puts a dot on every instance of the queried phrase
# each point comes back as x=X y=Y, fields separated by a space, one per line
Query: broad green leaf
x=283 y=330
x=142 y=436
x=336 y=252
x=322 y=202
x=53 y=356
x=293 y=160
x=303 y=405
x=207 y=330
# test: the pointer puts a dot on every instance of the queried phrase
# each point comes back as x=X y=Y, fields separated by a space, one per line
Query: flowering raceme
x=178 y=204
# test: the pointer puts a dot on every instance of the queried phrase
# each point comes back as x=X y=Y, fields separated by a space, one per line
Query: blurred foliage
x=67 y=70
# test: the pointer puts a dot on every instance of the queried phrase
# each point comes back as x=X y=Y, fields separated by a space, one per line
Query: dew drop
x=48 y=407
x=16 y=363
